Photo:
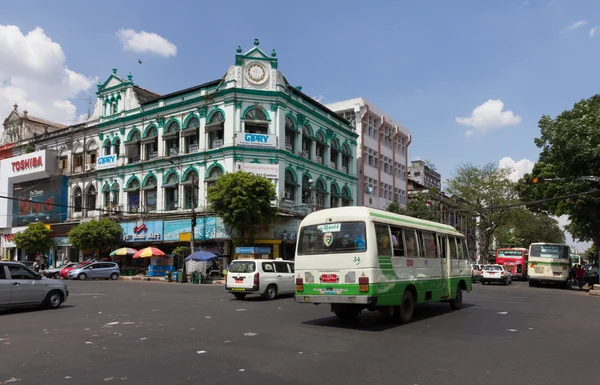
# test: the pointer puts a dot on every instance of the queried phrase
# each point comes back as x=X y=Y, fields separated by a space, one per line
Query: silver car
x=21 y=286
x=96 y=270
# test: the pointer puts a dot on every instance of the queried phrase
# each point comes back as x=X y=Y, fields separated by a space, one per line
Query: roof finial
x=239 y=49
x=273 y=53
x=114 y=71
x=130 y=77
x=16 y=106
x=256 y=42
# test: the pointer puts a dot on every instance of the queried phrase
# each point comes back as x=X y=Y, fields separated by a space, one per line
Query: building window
x=171 y=138
x=306 y=190
x=320 y=148
x=191 y=135
x=215 y=173
x=333 y=155
x=345 y=159
x=190 y=190
x=346 y=199
x=77 y=200
x=106 y=195
x=78 y=162
x=150 y=193
x=90 y=198
x=133 y=195
x=290 y=186
x=321 y=194
x=290 y=135
x=114 y=190
x=335 y=197
x=306 y=143
x=256 y=122
x=215 y=130
x=116 y=147
x=106 y=147
x=171 y=190
x=63 y=164
x=151 y=143
x=132 y=147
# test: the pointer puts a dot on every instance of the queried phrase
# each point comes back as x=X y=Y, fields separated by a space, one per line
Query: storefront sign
x=8 y=241
x=27 y=163
x=256 y=140
x=40 y=200
x=269 y=171
x=62 y=241
x=141 y=231
x=252 y=250
x=206 y=229
x=107 y=161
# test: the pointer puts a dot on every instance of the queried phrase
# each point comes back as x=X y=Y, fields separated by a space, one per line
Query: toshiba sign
x=28 y=163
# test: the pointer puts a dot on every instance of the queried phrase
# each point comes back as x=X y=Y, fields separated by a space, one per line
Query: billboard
x=269 y=171
x=106 y=161
x=40 y=201
x=142 y=231
x=256 y=140
x=206 y=228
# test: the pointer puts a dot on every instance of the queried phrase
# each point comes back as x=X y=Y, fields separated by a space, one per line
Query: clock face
x=257 y=73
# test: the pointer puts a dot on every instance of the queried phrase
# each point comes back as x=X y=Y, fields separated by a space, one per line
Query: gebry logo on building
x=25 y=164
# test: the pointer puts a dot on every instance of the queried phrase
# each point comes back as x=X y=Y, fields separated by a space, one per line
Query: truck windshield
x=332 y=238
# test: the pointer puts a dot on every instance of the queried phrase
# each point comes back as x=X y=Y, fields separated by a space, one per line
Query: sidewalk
x=163 y=280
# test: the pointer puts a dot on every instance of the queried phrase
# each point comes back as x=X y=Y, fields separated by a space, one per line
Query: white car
x=266 y=277
x=21 y=286
x=496 y=273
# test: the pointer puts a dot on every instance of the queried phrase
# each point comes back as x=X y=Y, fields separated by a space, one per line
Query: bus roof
x=548 y=243
x=349 y=213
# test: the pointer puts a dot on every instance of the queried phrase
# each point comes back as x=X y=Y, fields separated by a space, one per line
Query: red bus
x=515 y=261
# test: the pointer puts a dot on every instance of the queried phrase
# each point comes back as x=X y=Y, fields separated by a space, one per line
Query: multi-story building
x=422 y=173
x=382 y=153
x=147 y=159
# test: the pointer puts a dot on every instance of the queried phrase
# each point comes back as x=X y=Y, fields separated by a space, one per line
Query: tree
x=243 y=201
x=181 y=252
x=96 y=235
x=485 y=189
x=569 y=146
x=36 y=238
x=526 y=228
x=394 y=207
x=418 y=207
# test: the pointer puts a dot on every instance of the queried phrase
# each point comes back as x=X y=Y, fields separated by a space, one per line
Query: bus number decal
x=357 y=260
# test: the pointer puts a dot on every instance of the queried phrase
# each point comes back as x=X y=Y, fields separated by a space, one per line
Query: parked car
x=266 y=277
x=55 y=272
x=476 y=273
x=21 y=286
x=590 y=274
x=64 y=273
x=496 y=273
x=97 y=270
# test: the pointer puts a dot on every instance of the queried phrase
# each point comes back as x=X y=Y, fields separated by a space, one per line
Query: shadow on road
x=22 y=310
x=376 y=322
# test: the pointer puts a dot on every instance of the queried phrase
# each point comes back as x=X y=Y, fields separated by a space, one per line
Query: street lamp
x=193 y=223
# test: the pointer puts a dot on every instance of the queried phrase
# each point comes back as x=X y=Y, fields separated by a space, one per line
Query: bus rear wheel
x=456 y=303
x=405 y=311
x=345 y=312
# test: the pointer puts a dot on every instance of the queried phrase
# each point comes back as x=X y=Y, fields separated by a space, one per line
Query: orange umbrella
x=149 y=252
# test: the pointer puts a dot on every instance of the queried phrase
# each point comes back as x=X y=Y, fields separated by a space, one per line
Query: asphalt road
x=156 y=333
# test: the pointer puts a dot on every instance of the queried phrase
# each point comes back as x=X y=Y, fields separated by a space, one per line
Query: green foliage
x=35 y=238
x=589 y=254
x=526 y=228
x=394 y=207
x=570 y=146
x=96 y=235
x=483 y=188
x=243 y=200
x=181 y=251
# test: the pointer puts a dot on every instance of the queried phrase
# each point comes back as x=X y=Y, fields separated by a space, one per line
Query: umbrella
x=149 y=252
x=123 y=251
x=201 y=256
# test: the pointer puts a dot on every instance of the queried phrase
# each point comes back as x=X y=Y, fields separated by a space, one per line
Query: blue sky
x=426 y=63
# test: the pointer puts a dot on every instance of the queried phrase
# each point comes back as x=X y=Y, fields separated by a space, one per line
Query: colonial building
x=146 y=159
x=423 y=173
x=382 y=153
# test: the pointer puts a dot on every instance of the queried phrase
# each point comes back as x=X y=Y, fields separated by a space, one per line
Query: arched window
x=290 y=135
x=333 y=154
x=171 y=138
x=306 y=190
x=215 y=129
x=106 y=195
x=335 y=197
x=191 y=133
x=346 y=157
x=215 y=173
x=133 y=195
x=106 y=147
x=320 y=148
x=132 y=147
x=321 y=193
x=306 y=143
x=116 y=144
x=115 y=191
x=171 y=190
x=190 y=190
x=77 y=199
x=256 y=122
x=290 y=187
x=151 y=143
x=90 y=197
x=346 y=200
x=150 y=193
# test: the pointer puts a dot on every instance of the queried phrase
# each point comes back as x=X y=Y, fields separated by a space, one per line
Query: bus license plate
x=329 y=278
x=238 y=289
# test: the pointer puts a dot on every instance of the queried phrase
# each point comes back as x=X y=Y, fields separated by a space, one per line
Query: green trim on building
x=114 y=186
x=255 y=107
x=168 y=173
x=148 y=128
x=168 y=123
x=133 y=177
x=190 y=116
x=214 y=111
x=188 y=170
x=291 y=169
x=115 y=139
x=211 y=167
x=148 y=176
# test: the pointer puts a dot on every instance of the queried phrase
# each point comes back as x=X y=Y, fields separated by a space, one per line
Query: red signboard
x=25 y=164
x=329 y=278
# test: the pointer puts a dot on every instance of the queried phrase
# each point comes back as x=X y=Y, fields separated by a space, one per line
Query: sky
x=470 y=79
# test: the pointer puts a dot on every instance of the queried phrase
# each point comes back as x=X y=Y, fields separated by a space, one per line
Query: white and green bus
x=549 y=263
x=357 y=258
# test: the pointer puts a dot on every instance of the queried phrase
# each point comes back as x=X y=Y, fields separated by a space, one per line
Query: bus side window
x=384 y=244
x=452 y=246
x=429 y=247
x=421 y=244
x=398 y=242
x=459 y=244
x=442 y=246
x=465 y=249
x=412 y=250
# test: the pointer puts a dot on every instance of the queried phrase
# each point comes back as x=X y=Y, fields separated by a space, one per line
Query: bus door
x=443 y=251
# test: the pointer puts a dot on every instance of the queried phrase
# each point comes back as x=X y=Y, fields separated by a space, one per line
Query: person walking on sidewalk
x=580 y=274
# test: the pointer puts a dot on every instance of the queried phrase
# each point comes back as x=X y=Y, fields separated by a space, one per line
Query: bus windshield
x=550 y=251
x=332 y=238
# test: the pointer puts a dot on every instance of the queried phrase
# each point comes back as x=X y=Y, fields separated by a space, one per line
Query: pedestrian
x=579 y=274
x=36 y=266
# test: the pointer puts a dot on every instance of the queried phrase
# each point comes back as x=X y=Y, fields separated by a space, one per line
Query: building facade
x=146 y=159
x=423 y=173
x=382 y=154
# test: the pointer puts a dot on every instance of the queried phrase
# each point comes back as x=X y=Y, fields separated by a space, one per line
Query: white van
x=266 y=277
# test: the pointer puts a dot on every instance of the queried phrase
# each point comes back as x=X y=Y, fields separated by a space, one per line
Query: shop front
x=279 y=237
x=139 y=235
x=63 y=251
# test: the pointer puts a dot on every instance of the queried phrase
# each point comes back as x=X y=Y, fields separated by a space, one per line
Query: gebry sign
x=107 y=161
x=25 y=164
x=256 y=140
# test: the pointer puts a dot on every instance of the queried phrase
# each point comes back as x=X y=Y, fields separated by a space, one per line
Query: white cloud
x=593 y=31
x=519 y=168
x=488 y=116
x=35 y=76
x=146 y=42
x=575 y=25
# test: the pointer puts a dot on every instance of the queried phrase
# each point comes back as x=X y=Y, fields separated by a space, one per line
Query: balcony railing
x=217 y=143
x=319 y=159
x=344 y=169
x=304 y=154
x=333 y=165
x=289 y=147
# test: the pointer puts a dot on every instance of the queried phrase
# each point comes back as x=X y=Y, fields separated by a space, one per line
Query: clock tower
x=255 y=70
